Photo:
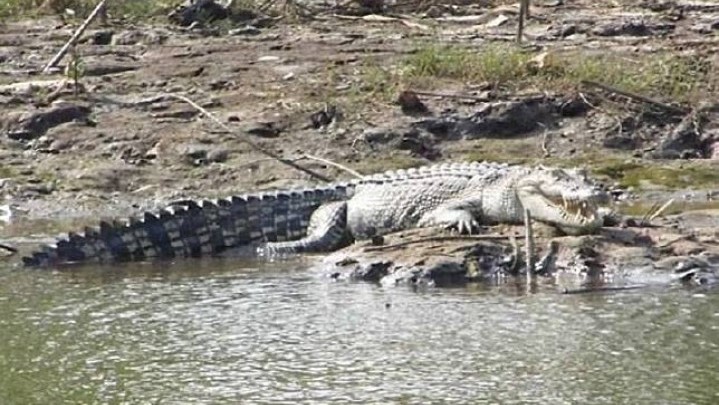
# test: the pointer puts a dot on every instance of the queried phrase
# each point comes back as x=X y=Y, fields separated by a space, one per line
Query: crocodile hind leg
x=327 y=231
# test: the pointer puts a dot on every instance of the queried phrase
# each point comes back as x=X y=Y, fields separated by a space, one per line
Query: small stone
x=218 y=155
x=264 y=130
x=102 y=38
x=268 y=58
x=247 y=30
x=411 y=104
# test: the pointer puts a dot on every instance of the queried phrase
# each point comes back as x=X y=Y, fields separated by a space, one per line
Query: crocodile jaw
x=563 y=198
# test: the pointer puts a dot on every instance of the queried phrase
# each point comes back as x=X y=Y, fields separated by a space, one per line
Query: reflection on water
x=226 y=331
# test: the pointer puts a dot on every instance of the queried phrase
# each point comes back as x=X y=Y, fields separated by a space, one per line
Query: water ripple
x=226 y=332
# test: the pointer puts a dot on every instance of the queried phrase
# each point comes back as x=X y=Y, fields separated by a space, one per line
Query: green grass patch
x=626 y=172
x=7 y=172
x=509 y=67
x=496 y=64
x=643 y=175
x=135 y=9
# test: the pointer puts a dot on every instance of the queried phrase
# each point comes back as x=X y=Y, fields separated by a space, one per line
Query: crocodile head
x=565 y=198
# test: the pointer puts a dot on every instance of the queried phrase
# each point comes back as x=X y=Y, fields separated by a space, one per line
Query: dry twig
x=100 y=6
x=661 y=209
x=447 y=95
x=442 y=238
x=334 y=164
x=254 y=146
x=529 y=244
x=637 y=97
x=9 y=248
x=602 y=289
x=523 y=15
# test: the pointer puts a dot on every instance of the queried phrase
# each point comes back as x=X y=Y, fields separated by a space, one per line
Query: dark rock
x=194 y=151
x=101 y=38
x=201 y=11
x=373 y=272
x=499 y=120
x=218 y=155
x=324 y=117
x=38 y=123
x=108 y=69
x=371 y=6
x=419 y=145
x=621 y=142
x=573 y=106
x=410 y=103
x=379 y=135
x=684 y=141
x=443 y=274
x=135 y=37
x=633 y=28
x=264 y=129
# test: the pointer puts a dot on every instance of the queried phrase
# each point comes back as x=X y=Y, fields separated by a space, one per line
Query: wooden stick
x=602 y=289
x=54 y=61
x=436 y=239
x=661 y=209
x=523 y=5
x=529 y=244
x=337 y=165
x=447 y=95
x=637 y=97
x=527 y=14
x=9 y=248
x=247 y=141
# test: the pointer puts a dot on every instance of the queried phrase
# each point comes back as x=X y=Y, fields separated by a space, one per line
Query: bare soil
x=134 y=149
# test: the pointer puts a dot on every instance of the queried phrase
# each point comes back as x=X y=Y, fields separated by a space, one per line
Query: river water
x=232 y=331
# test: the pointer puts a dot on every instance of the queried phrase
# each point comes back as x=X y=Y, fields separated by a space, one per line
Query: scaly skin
x=461 y=196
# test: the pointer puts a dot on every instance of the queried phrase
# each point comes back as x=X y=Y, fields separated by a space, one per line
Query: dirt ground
x=130 y=148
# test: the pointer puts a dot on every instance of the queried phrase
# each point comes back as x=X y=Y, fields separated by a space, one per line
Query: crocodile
x=458 y=196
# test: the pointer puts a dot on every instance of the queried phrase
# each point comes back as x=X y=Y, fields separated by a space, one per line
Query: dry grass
x=507 y=67
x=136 y=9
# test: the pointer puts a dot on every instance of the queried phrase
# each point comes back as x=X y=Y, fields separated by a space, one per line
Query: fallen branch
x=661 y=209
x=9 y=248
x=602 y=289
x=247 y=141
x=523 y=15
x=636 y=97
x=545 y=142
x=54 y=61
x=529 y=244
x=337 y=165
x=436 y=239
x=654 y=211
x=447 y=95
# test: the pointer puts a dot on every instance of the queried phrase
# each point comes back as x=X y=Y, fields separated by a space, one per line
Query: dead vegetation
x=510 y=68
x=278 y=73
x=133 y=9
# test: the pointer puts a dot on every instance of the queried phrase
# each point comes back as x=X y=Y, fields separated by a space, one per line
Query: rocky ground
x=370 y=89
x=676 y=251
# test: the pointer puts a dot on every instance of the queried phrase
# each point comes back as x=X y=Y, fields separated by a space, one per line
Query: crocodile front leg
x=327 y=231
x=459 y=215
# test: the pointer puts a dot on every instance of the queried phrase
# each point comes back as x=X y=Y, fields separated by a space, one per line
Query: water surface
x=230 y=331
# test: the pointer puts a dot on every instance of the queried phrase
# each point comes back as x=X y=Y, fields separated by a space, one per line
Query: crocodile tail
x=192 y=228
